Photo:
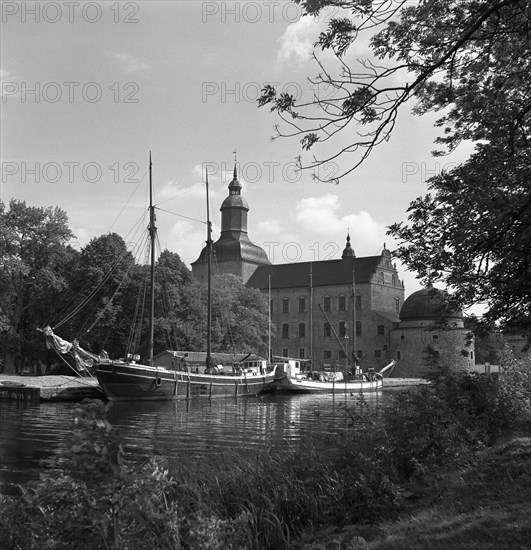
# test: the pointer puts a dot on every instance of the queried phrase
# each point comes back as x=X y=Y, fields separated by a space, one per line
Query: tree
x=239 y=316
x=34 y=262
x=101 y=296
x=179 y=308
x=469 y=61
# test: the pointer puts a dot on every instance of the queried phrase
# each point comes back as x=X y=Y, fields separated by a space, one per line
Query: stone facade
x=418 y=335
x=338 y=311
x=355 y=307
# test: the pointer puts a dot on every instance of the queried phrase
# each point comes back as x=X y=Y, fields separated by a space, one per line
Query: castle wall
x=409 y=345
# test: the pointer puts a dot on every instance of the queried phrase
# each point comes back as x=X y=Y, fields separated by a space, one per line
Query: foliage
x=470 y=62
x=359 y=474
x=34 y=260
x=239 y=316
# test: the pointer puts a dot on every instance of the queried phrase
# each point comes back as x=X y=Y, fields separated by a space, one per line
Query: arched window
x=398 y=355
x=327 y=303
x=358 y=328
x=285 y=330
x=397 y=305
x=327 y=330
x=285 y=305
x=302 y=305
x=342 y=329
x=380 y=330
x=302 y=330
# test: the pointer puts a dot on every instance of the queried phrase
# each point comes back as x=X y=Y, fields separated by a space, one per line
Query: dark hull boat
x=127 y=381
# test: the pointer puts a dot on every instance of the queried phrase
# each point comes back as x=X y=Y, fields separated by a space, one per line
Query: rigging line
x=93 y=293
x=182 y=216
x=84 y=302
x=110 y=301
x=128 y=200
x=96 y=305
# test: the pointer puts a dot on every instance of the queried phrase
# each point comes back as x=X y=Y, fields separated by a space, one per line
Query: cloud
x=130 y=63
x=296 y=44
x=320 y=218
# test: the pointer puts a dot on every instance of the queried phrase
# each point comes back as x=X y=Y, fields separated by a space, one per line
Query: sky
x=90 y=88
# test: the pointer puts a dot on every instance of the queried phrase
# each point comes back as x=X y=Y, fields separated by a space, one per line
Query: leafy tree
x=34 y=261
x=239 y=316
x=103 y=294
x=179 y=308
x=469 y=61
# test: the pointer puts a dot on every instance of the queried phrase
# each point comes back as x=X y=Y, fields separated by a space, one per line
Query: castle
x=332 y=311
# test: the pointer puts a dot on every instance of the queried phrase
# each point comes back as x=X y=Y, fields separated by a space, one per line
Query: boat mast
x=152 y=235
x=311 y=316
x=354 y=342
x=269 y=323
x=209 y=277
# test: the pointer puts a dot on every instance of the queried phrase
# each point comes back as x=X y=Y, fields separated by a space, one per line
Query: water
x=32 y=435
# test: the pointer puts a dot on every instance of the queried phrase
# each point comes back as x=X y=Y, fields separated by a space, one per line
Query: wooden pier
x=48 y=388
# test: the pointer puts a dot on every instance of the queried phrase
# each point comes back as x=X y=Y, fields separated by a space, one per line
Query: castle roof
x=428 y=304
x=324 y=273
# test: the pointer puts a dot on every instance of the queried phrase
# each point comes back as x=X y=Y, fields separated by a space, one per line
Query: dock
x=48 y=388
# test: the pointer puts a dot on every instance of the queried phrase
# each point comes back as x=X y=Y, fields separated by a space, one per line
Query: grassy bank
x=433 y=469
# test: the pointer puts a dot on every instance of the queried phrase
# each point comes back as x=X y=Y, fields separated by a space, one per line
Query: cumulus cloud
x=296 y=44
x=320 y=218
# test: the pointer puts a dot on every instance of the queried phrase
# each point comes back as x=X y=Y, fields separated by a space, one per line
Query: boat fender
x=158 y=381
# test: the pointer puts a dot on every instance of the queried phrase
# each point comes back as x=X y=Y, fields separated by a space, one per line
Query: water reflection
x=32 y=435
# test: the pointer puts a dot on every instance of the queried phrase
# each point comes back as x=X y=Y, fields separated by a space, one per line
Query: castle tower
x=233 y=252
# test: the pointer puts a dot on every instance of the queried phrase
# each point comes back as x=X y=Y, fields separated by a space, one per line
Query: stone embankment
x=48 y=388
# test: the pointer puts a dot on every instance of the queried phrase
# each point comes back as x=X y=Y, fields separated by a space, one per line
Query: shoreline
x=52 y=387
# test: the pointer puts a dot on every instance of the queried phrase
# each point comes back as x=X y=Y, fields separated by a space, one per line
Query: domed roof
x=428 y=304
x=234 y=201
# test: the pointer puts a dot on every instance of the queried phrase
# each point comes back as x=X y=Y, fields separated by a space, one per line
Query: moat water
x=32 y=435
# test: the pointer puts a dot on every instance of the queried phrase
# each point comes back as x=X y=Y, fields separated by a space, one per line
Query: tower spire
x=348 y=251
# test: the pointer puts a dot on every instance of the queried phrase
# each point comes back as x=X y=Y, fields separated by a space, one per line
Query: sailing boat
x=127 y=379
x=290 y=378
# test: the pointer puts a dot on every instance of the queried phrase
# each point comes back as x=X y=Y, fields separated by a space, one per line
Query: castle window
x=342 y=354
x=380 y=330
x=342 y=303
x=358 y=328
x=327 y=330
x=342 y=329
x=285 y=305
x=377 y=353
x=397 y=305
x=435 y=336
x=327 y=354
x=471 y=355
x=398 y=355
x=302 y=305
x=358 y=301
x=302 y=330
x=402 y=337
x=385 y=348
x=327 y=303
x=285 y=352
x=285 y=330
x=302 y=353
x=271 y=306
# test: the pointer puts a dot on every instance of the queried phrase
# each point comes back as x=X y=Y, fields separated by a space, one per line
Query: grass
x=481 y=508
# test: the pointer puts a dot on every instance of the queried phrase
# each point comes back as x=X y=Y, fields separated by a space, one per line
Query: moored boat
x=290 y=378
x=128 y=379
